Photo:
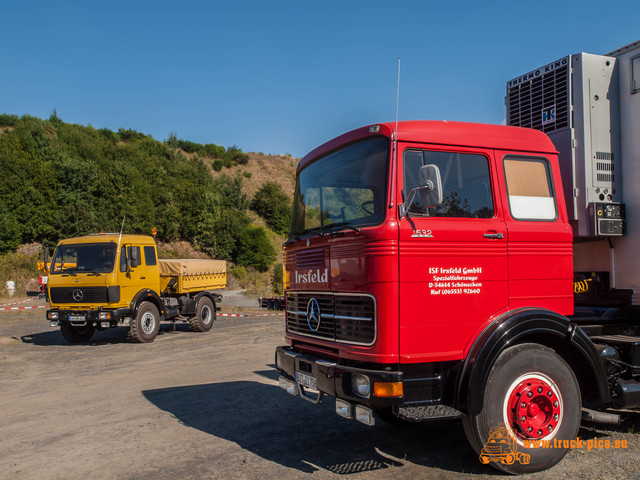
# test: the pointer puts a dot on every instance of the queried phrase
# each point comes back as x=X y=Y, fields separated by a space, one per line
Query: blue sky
x=285 y=76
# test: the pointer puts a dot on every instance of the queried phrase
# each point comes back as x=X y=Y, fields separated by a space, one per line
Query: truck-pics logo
x=313 y=276
x=502 y=448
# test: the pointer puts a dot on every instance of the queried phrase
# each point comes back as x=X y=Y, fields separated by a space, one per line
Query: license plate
x=77 y=318
x=306 y=380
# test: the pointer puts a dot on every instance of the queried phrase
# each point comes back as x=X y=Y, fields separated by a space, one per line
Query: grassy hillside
x=61 y=180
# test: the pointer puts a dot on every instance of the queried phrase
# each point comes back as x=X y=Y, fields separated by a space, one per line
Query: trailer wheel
x=533 y=395
x=144 y=327
x=73 y=334
x=205 y=316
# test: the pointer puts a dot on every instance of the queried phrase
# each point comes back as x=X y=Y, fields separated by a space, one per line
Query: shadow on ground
x=286 y=430
x=100 y=337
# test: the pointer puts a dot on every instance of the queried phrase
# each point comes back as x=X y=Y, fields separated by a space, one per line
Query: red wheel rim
x=534 y=407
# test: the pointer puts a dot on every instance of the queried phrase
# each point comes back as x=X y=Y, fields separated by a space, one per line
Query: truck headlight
x=53 y=315
x=104 y=315
x=361 y=385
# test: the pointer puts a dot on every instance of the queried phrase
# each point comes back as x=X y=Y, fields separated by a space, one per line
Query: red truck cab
x=428 y=274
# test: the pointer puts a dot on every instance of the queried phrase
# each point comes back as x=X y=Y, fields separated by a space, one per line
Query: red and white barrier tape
x=221 y=314
x=23 y=308
x=18 y=303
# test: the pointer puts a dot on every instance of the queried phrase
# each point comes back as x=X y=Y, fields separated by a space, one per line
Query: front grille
x=89 y=295
x=344 y=318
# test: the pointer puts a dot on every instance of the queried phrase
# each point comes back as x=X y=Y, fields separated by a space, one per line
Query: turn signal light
x=388 y=389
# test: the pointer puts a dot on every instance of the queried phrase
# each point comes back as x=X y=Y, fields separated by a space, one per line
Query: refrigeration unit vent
x=540 y=100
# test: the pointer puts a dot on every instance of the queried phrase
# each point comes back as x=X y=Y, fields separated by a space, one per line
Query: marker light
x=388 y=389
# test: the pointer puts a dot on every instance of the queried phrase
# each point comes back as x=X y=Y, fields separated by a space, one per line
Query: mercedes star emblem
x=313 y=315
x=77 y=295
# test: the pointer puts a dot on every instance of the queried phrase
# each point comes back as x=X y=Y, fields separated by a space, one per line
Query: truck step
x=427 y=412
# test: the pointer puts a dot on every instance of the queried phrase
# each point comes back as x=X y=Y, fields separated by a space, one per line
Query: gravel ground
x=207 y=405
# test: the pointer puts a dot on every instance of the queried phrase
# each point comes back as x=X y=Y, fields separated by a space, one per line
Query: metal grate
x=311 y=258
x=87 y=295
x=344 y=318
x=541 y=103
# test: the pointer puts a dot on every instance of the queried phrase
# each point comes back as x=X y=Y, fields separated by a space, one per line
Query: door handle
x=142 y=278
x=494 y=236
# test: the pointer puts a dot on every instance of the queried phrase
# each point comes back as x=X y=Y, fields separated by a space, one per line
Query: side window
x=131 y=252
x=149 y=255
x=530 y=189
x=466 y=184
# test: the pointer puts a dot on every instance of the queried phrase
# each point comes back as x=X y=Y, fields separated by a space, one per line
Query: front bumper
x=333 y=379
x=80 y=318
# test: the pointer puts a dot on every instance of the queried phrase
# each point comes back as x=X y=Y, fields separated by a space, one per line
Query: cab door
x=132 y=272
x=452 y=258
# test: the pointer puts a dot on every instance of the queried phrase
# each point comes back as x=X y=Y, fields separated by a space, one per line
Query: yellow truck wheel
x=205 y=316
x=144 y=327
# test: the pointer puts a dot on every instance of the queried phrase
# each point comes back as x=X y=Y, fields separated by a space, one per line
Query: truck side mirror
x=429 y=187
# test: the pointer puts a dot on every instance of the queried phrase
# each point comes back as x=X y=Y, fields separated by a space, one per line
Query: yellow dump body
x=192 y=275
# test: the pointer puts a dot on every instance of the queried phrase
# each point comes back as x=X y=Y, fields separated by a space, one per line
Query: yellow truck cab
x=108 y=280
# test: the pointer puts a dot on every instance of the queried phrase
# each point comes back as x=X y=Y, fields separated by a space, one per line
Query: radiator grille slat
x=345 y=318
x=89 y=295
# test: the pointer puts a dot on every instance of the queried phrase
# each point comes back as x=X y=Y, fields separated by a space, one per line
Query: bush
x=246 y=174
x=218 y=164
x=255 y=249
x=8 y=120
x=235 y=156
x=272 y=204
x=277 y=281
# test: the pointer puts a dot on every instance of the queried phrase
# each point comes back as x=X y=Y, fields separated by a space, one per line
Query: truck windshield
x=346 y=189
x=84 y=258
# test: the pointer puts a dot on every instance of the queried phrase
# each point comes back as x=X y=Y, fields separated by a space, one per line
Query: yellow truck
x=109 y=280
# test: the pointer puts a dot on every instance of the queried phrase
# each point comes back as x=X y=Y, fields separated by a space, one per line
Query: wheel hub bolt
x=529 y=429
x=539 y=389
x=529 y=394
x=549 y=428
x=523 y=419
x=523 y=405
x=539 y=433
x=549 y=394
x=555 y=404
x=556 y=417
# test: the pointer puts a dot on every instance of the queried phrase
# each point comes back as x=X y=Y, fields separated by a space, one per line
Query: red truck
x=429 y=273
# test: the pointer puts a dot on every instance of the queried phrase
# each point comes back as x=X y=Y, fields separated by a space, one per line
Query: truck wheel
x=534 y=394
x=205 y=316
x=144 y=328
x=73 y=334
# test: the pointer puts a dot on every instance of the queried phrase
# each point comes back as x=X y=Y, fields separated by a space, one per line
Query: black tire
x=552 y=411
x=205 y=316
x=73 y=334
x=144 y=327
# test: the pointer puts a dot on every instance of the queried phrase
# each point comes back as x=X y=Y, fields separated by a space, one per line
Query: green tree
x=255 y=249
x=274 y=206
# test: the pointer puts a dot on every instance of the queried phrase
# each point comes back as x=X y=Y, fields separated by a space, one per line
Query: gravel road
x=207 y=405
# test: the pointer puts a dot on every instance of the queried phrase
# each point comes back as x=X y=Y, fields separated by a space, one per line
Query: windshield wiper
x=322 y=231
x=331 y=226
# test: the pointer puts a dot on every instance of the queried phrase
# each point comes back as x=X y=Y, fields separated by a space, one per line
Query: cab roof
x=110 y=237
x=442 y=132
